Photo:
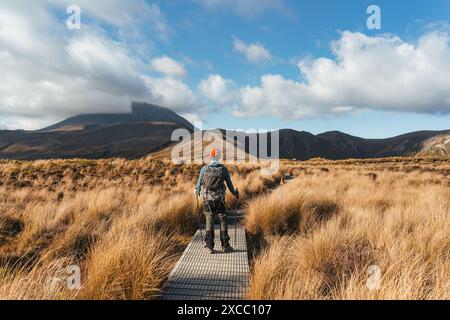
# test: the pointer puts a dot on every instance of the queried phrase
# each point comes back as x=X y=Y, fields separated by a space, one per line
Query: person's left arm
x=228 y=181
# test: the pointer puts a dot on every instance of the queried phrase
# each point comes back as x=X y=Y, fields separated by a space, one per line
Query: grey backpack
x=213 y=183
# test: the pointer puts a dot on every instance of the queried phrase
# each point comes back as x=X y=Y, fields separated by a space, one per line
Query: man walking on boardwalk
x=211 y=184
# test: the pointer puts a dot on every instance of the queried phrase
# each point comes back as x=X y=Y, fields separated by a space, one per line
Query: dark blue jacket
x=226 y=176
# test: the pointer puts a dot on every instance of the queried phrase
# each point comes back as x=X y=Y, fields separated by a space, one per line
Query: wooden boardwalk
x=199 y=275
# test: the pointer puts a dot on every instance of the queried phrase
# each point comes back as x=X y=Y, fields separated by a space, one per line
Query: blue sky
x=308 y=32
x=306 y=65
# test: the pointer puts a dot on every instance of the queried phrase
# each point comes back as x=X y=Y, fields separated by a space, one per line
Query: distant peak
x=334 y=132
x=143 y=107
x=140 y=112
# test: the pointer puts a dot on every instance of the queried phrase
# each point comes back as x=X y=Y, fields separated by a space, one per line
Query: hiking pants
x=211 y=208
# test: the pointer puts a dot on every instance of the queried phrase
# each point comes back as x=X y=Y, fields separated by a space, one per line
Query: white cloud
x=254 y=52
x=379 y=72
x=247 y=8
x=384 y=72
x=107 y=64
x=48 y=73
x=275 y=96
x=122 y=13
x=217 y=89
x=169 y=67
x=159 y=20
x=173 y=93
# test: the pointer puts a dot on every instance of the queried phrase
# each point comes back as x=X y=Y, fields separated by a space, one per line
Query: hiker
x=211 y=179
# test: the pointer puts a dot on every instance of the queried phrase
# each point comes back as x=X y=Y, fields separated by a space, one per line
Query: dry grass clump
x=9 y=228
x=128 y=264
x=315 y=268
x=123 y=241
x=251 y=184
x=387 y=224
x=41 y=282
x=288 y=210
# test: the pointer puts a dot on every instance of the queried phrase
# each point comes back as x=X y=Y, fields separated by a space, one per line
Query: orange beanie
x=214 y=153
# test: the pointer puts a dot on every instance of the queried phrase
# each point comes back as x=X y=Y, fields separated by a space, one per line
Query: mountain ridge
x=148 y=128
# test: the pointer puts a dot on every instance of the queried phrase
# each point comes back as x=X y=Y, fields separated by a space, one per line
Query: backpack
x=213 y=183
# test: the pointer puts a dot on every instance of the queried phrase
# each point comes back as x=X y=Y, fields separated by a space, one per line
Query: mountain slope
x=438 y=145
x=140 y=112
x=146 y=129
x=337 y=145
x=409 y=144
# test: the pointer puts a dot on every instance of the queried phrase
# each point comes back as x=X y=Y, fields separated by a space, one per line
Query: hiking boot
x=224 y=239
x=209 y=239
x=209 y=250
x=227 y=249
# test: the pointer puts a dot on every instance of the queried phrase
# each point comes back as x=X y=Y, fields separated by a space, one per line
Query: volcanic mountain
x=147 y=128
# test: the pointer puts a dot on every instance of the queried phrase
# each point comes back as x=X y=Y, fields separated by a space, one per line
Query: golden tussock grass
x=325 y=232
x=125 y=223
x=122 y=240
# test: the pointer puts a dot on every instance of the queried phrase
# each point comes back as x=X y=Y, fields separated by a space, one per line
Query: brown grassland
x=125 y=223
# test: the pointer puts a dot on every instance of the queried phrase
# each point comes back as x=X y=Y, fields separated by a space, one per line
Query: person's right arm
x=228 y=181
